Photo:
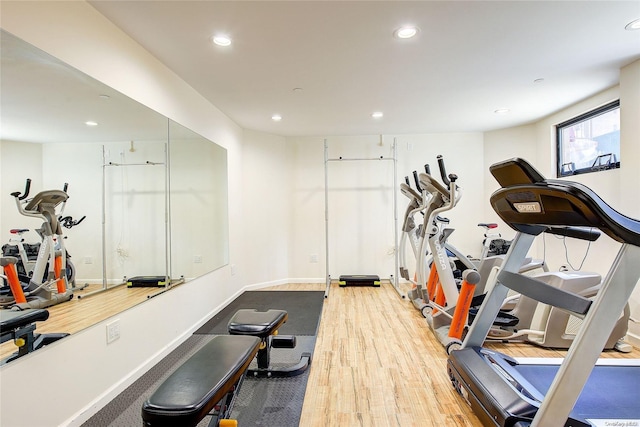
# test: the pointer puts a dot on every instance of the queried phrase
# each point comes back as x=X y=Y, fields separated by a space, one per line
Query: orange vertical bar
x=14 y=283
x=461 y=312
x=57 y=268
x=433 y=281
x=440 y=298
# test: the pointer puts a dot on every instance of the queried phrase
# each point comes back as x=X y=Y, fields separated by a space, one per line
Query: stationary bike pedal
x=283 y=341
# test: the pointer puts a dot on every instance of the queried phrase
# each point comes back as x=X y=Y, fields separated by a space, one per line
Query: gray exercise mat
x=303 y=307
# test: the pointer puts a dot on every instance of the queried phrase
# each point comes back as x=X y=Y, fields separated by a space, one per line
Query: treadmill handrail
x=545 y=293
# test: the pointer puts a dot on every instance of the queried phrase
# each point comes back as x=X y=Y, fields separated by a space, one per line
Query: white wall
x=266 y=191
x=19 y=161
x=361 y=198
x=501 y=145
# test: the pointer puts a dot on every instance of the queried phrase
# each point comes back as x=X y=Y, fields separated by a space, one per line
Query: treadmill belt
x=612 y=392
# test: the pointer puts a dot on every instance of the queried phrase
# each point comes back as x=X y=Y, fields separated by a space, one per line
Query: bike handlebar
x=24 y=195
x=68 y=221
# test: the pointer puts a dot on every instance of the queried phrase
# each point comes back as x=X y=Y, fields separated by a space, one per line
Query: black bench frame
x=20 y=327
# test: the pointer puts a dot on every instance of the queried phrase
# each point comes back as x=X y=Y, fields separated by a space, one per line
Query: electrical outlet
x=233 y=269
x=88 y=260
x=113 y=331
x=197 y=259
x=313 y=258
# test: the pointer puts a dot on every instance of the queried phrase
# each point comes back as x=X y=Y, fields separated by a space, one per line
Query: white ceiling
x=469 y=59
x=45 y=100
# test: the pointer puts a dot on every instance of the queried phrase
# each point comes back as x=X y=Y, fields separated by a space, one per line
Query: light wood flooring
x=376 y=363
x=80 y=313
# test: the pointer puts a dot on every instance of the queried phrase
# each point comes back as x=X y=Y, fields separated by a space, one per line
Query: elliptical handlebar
x=417 y=181
x=443 y=170
x=447 y=179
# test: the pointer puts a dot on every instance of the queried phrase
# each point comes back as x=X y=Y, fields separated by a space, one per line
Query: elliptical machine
x=48 y=284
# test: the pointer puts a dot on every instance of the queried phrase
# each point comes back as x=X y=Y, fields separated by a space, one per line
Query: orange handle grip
x=467 y=289
x=57 y=268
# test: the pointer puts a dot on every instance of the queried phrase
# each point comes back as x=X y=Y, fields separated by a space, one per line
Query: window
x=590 y=142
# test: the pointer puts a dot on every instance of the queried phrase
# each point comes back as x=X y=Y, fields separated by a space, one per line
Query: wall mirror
x=153 y=193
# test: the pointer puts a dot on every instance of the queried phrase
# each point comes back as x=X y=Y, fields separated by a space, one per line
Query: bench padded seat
x=256 y=323
x=193 y=390
x=10 y=320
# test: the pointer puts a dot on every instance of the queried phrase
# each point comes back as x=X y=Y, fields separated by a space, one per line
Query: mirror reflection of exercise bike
x=48 y=278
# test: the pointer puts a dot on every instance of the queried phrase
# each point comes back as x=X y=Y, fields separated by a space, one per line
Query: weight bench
x=20 y=327
x=208 y=381
x=264 y=325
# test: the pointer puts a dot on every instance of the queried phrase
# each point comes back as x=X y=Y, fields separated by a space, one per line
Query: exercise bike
x=48 y=283
x=27 y=253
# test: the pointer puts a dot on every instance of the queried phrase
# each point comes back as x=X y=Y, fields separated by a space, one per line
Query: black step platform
x=147 y=282
x=359 y=280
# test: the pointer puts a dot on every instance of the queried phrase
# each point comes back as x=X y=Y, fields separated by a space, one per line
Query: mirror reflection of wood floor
x=376 y=363
x=80 y=313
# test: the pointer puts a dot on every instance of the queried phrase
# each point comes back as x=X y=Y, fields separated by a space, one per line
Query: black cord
x=566 y=252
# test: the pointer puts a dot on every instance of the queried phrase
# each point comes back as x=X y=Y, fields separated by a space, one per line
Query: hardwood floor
x=376 y=363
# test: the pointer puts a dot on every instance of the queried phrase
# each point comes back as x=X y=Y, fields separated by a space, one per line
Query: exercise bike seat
x=18 y=230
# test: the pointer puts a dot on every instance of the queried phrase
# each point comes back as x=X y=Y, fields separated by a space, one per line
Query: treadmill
x=579 y=390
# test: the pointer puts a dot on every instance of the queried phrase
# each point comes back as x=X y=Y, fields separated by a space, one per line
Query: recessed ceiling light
x=537 y=81
x=406 y=32
x=276 y=117
x=377 y=115
x=633 y=25
x=103 y=96
x=91 y=123
x=222 y=40
x=502 y=111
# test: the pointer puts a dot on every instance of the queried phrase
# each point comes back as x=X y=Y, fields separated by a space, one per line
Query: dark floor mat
x=304 y=309
x=275 y=402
